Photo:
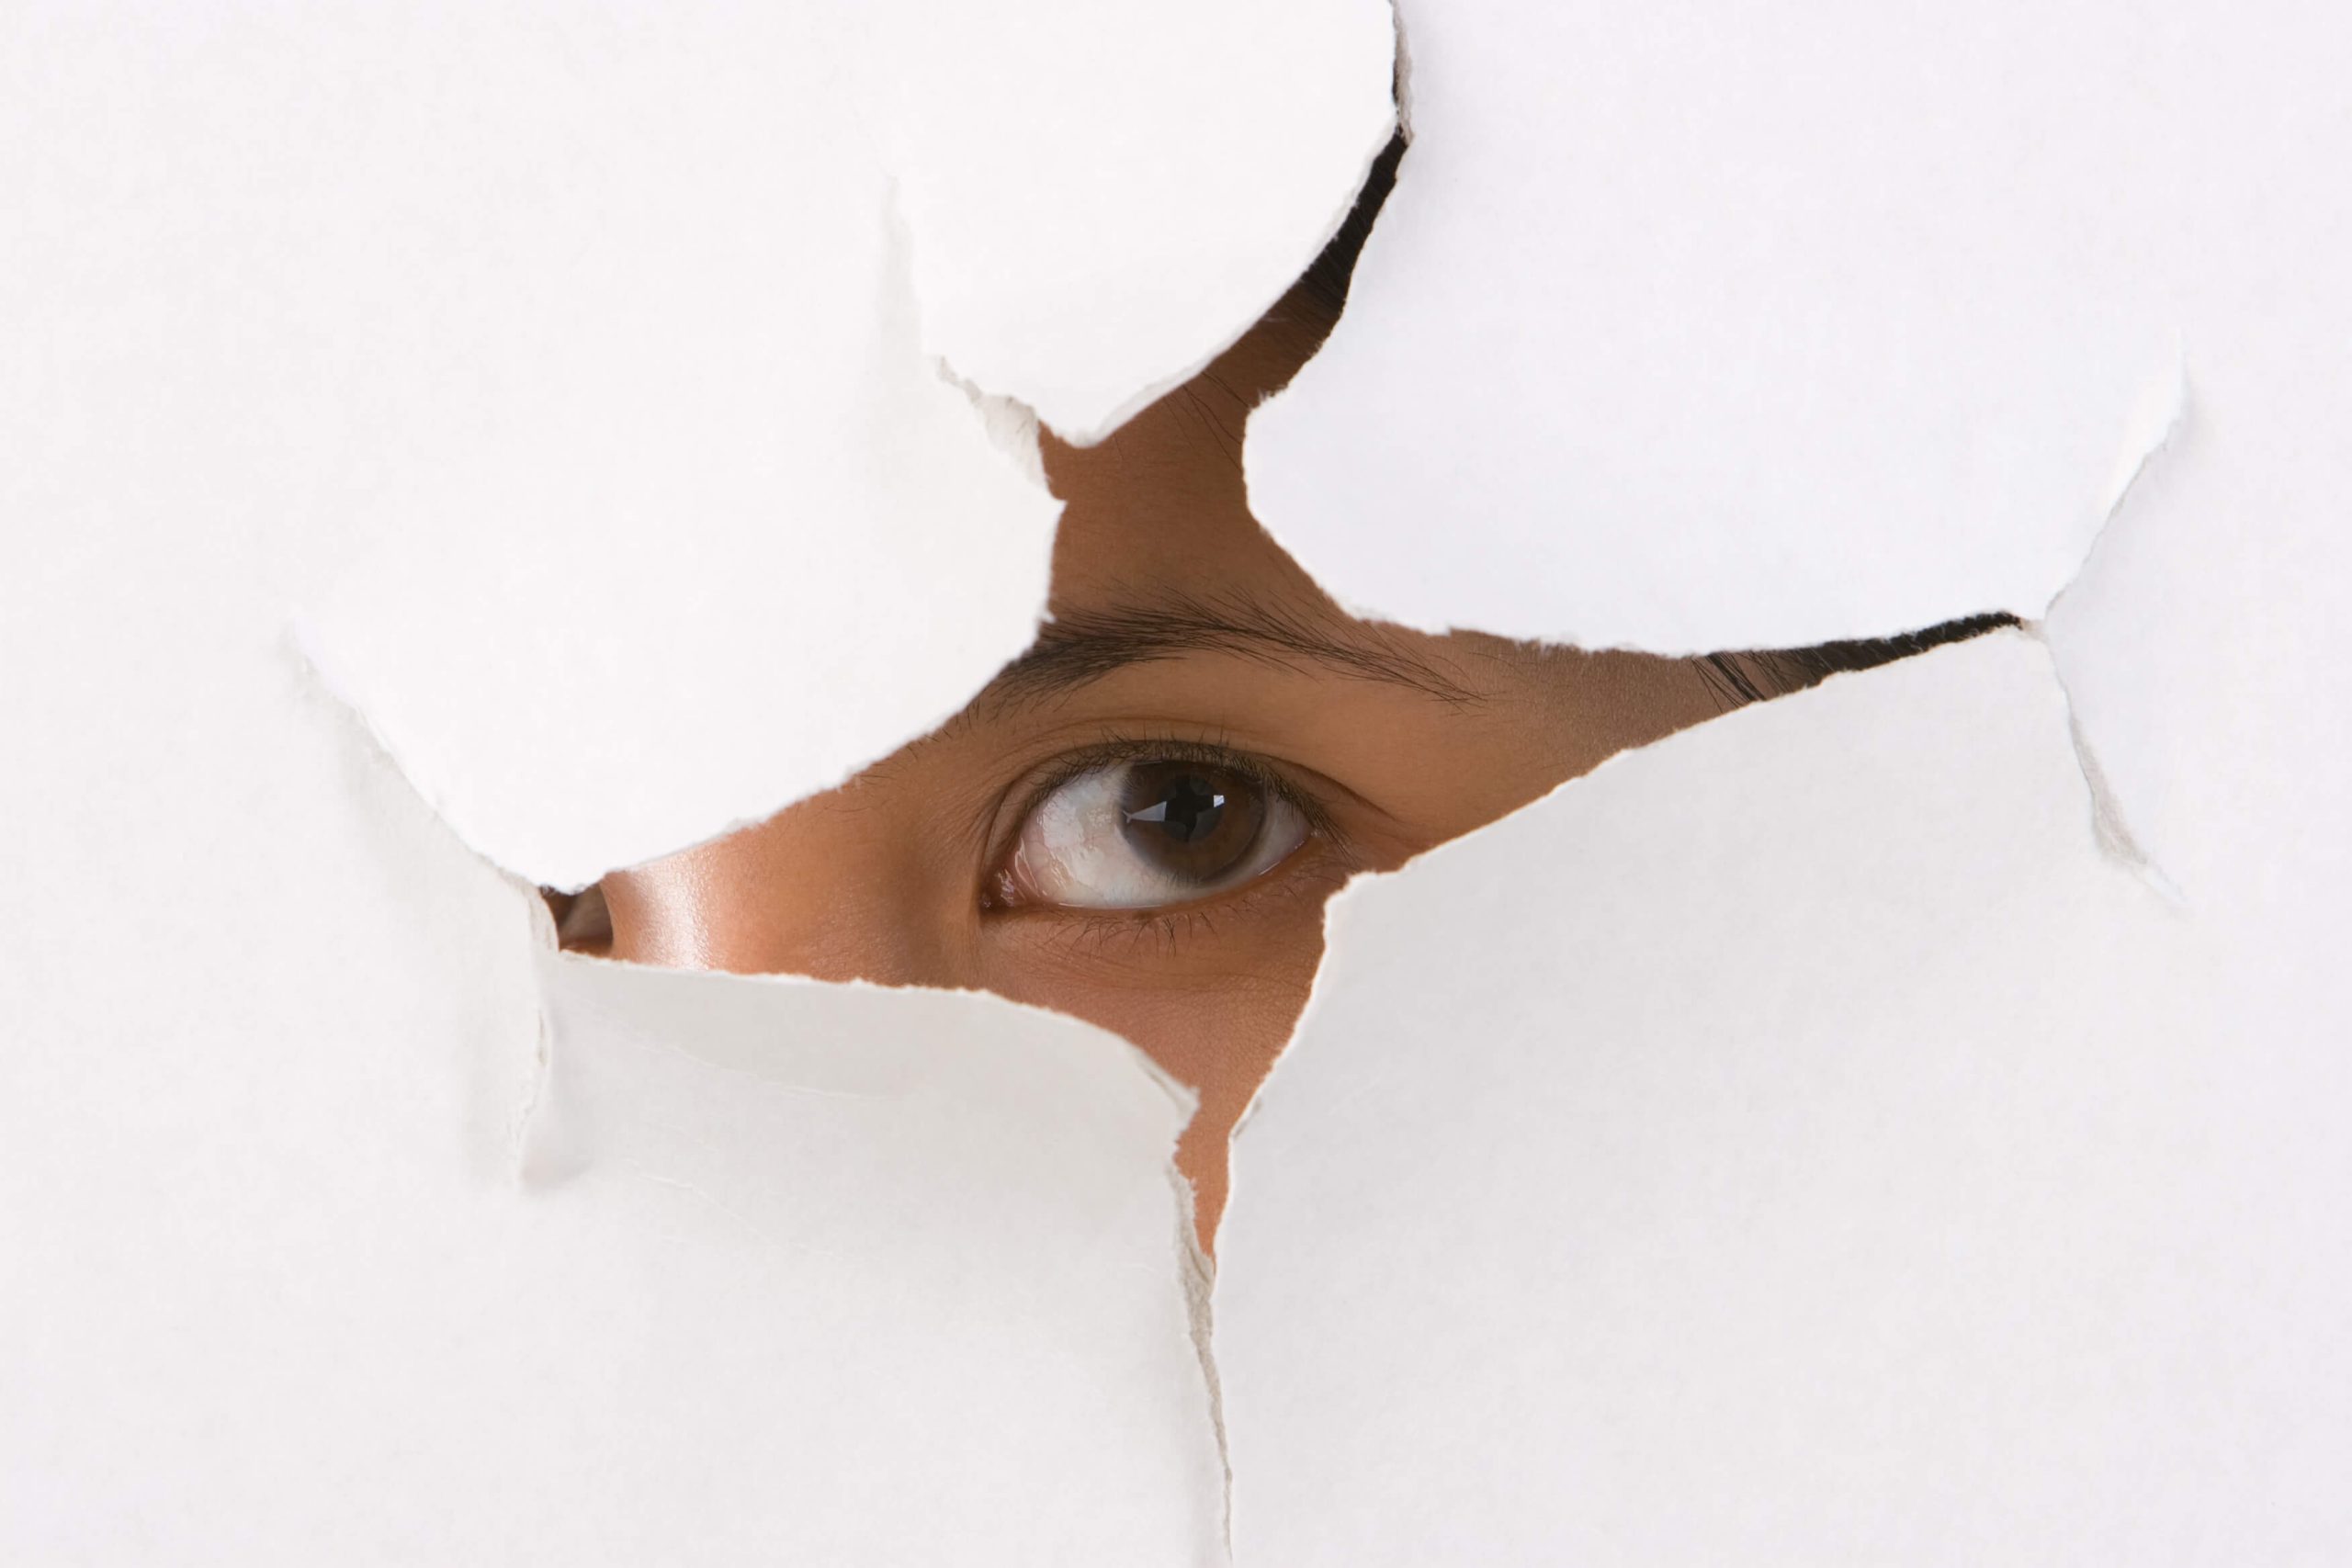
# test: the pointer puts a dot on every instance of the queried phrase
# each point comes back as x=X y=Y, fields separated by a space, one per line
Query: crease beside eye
x=1150 y=833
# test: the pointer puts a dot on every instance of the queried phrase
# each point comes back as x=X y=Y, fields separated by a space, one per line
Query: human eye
x=1148 y=830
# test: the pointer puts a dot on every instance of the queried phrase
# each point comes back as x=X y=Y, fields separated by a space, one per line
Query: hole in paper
x=1139 y=821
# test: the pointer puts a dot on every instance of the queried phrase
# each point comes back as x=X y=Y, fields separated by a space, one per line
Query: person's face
x=1139 y=822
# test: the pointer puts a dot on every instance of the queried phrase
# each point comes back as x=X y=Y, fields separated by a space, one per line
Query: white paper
x=574 y=350
x=1103 y=196
x=1690 y=326
x=310 y=1259
x=921 y=1269
x=1900 y=1123
x=2200 y=644
x=1795 y=1143
x=574 y=359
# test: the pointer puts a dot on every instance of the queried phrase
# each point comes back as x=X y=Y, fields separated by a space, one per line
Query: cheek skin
x=840 y=887
x=1213 y=1013
x=832 y=888
x=1210 y=995
x=1221 y=1044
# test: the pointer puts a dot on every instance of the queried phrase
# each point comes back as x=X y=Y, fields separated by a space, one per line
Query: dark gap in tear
x=1755 y=675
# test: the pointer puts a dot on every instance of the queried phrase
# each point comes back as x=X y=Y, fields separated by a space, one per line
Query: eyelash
x=1166 y=925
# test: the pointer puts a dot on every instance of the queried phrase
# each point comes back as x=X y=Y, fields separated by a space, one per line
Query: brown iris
x=1192 y=820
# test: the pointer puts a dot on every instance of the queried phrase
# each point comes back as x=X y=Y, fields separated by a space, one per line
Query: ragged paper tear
x=1103 y=196
x=904 y=1241
x=1854 y=1165
x=345 y=1221
x=564 y=366
x=2200 y=645
x=1691 y=327
x=573 y=360
x=1803 y=1140
x=731 y=413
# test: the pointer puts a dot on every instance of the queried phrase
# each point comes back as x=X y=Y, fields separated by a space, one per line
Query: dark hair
x=1757 y=673
x=1325 y=282
x=1738 y=677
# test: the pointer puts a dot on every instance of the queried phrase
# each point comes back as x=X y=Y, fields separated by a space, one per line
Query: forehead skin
x=882 y=879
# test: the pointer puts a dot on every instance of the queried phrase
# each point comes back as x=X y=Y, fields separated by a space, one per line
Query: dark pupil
x=1190 y=818
x=1191 y=808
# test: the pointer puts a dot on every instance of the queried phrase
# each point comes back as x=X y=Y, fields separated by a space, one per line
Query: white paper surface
x=1822 y=1137
x=574 y=353
x=2201 y=643
x=1798 y=1143
x=1801 y=1141
x=791 y=1272
x=1691 y=326
x=578 y=352
x=1103 y=196
x=918 y=1263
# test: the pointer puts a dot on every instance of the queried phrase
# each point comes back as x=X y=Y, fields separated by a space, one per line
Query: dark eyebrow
x=1081 y=647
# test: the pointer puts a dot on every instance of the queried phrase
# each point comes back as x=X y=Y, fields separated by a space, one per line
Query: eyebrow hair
x=1759 y=674
x=1083 y=646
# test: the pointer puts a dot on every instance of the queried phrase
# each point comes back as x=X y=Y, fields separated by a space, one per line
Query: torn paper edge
x=1153 y=390
x=1008 y=427
x=1402 y=90
x=351 y=728
x=1194 y=1274
x=1012 y=430
x=310 y=646
x=2101 y=819
x=2156 y=428
x=1011 y=427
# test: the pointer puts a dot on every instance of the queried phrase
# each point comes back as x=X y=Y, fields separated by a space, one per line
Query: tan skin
x=1365 y=744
